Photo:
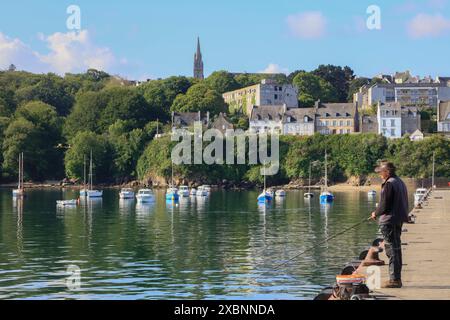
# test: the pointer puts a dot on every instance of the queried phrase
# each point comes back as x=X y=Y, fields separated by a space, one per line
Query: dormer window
x=306 y=119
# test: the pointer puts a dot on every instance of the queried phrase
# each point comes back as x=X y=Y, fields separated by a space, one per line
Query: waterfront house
x=267 y=119
x=443 y=117
x=395 y=120
x=336 y=118
x=267 y=93
x=300 y=121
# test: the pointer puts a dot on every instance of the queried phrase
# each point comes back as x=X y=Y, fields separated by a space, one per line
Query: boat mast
x=21 y=184
x=309 y=184
x=326 y=170
x=90 y=173
x=434 y=168
x=84 y=172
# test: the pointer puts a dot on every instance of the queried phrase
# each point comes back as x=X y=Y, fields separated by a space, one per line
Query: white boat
x=145 y=196
x=267 y=195
x=67 y=203
x=207 y=189
x=280 y=193
x=419 y=194
x=126 y=193
x=326 y=196
x=309 y=194
x=91 y=193
x=193 y=192
x=183 y=191
x=201 y=192
x=372 y=193
x=20 y=191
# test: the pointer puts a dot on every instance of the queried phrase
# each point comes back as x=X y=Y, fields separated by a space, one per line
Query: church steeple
x=198 y=62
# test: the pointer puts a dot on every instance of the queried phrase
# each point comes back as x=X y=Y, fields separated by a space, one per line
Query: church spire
x=198 y=62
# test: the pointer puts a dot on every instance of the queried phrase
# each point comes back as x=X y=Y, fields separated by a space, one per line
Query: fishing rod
x=278 y=267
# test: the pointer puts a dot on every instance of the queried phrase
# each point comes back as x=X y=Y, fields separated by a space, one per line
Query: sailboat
x=91 y=193
x=83 y=192
x=326 y=196
x=265 y=196
x=172 y=191
x=309 y=194
x=20 y=191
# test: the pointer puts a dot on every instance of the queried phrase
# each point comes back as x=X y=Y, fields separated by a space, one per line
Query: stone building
x=299 y=121
x=198 y=63
x=443 y=117
x=266 y=93
x=336 y=118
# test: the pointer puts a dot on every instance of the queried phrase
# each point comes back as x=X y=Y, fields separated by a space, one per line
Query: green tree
x=51 y=89
x=355 y=85
x=221 y=82
x=338 y=77
x=35 y=131
x=102 y=153
x=199 y=98
x=312 y=88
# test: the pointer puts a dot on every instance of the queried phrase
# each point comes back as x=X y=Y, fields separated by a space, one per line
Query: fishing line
x=279 y=266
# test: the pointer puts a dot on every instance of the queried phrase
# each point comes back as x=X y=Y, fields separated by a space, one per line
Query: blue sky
x=141 y=39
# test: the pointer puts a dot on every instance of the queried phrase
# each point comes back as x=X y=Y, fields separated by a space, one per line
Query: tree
x=160 y=94
x=125 y=104
x=199 y=98
x=102 y=152
x=35 y=131
x=221 y=82
x=51 y=89
x=312 y=88
x=128 y=147
x=338 y=77
x=86 y=114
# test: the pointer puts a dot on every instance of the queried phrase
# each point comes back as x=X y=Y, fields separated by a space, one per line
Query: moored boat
x=419 y=194
x=372 y=193
x=280 y=193
x=193 y=192
x=126 y=193
x=309 y=194
x=67 y=203
x=172 y=194
x=20 y=191
x=183 y=191
x=145 y=196
x=326 y=196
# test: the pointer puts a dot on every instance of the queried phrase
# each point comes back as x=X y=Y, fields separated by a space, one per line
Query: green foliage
x=340 y=78
x=221 y=82
x=160 y=94
x=199 y=98
x=80 y=148
x=312 y=88
x=35 y=131
x=155 y=161
x=419 y=155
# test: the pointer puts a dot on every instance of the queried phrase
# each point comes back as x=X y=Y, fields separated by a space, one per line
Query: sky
x=140 y=39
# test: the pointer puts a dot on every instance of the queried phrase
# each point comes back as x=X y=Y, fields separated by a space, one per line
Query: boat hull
x=326 y=198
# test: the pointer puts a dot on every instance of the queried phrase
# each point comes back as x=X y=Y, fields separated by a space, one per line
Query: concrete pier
x=426 y=253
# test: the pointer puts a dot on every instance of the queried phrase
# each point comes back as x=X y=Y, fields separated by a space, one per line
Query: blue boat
x=326 y=196
x=265 y=197
x=172 y=194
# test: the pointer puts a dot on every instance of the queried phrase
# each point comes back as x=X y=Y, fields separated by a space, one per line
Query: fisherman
x=392 y=213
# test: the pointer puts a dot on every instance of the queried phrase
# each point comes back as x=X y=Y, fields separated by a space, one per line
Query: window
x=276 y=97
x=326 y=123
x=334 y=122
x=392 y=123
x=384 y=123
x=341 y=123
x=392 y=132
x=349 y=123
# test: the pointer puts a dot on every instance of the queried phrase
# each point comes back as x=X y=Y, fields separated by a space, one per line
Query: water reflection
x=219 y=247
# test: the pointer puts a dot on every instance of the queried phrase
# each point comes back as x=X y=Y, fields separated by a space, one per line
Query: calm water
x=224 y=247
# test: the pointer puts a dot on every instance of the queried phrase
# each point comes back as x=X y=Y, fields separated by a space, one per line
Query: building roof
x=268 y=113
x=187 y=119
x=417 y=133
x=299 y=114
x=222 y=123
x=410 y=85
x=336 y=110
x=444 y=111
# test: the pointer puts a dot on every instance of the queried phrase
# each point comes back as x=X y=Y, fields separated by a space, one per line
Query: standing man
x=392 y=213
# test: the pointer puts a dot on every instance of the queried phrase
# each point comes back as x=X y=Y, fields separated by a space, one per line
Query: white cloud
x=274 y=68
x=68 y=52
x=426 y=25
x=307 y=25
